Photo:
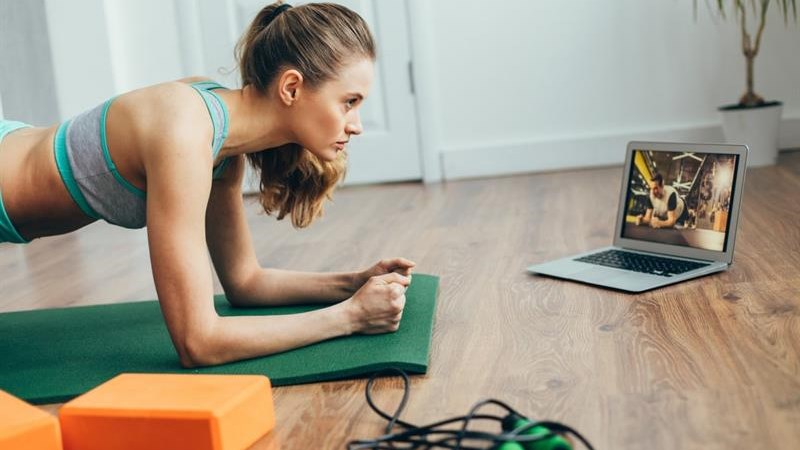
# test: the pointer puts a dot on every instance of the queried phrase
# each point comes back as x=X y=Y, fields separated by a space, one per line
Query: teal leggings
x=7 y=231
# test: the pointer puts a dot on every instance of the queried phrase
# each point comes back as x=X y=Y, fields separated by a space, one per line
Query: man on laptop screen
x=676 y=220
x=688 y=205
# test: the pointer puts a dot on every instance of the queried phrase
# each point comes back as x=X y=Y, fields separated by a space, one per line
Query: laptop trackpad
x=598 y=275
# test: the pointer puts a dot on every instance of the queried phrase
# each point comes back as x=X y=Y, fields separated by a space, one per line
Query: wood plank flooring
x=712 y=363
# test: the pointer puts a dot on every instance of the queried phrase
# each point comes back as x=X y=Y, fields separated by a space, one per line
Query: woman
x=171 y=157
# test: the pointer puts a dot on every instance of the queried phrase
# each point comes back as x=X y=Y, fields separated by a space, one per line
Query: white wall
x=144 y=43
x=26 y=68
x=524 y=86
x=81 y=55
x=103 y=48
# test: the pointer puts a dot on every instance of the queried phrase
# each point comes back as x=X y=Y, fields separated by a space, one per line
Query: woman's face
x=328 y=116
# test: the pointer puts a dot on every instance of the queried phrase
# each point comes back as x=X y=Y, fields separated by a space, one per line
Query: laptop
x=677 y=218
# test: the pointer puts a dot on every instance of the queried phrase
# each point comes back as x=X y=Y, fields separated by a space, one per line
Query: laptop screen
x=680 y=198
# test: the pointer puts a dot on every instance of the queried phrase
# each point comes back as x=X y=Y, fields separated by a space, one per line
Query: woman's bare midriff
x=35 y=198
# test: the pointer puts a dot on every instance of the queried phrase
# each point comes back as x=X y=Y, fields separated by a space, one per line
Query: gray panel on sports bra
x=112 y=201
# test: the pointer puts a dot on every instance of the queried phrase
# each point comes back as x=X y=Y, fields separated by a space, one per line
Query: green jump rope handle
x=510 y=445
x=555 y=442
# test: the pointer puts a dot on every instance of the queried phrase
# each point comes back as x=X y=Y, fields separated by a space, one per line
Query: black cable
x=474 y=410
x=430 y=429
x=395 y=418
x=415 y=437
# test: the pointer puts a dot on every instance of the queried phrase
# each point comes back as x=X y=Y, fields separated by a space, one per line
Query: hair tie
x=277 y=12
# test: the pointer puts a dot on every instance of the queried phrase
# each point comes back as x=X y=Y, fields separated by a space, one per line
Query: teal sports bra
x=92 y=178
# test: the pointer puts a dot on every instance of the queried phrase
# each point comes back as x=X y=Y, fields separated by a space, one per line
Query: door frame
x=423 y=63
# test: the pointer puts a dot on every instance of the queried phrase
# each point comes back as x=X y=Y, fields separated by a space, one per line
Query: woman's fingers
x=393 y=277
x=398 y=264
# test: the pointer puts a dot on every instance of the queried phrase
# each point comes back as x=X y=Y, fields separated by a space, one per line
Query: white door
x=388 y=150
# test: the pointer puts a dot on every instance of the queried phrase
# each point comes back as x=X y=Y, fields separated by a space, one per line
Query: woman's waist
x=34 y=195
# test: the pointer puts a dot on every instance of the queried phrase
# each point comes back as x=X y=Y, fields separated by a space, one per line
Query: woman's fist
x=377 y=306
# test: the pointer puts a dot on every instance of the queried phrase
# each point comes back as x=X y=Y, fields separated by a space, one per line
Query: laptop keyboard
x=638 y=262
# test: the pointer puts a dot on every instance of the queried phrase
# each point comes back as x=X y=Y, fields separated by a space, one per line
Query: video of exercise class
x=680 y=198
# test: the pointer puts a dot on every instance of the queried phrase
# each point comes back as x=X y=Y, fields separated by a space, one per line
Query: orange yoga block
x=170 y=411
x=26 y=427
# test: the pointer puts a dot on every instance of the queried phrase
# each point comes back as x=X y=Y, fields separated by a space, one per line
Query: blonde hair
x=317 y=39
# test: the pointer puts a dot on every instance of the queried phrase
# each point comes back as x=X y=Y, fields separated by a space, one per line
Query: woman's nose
x=354 y=126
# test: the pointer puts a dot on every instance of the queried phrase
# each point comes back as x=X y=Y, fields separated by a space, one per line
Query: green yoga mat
x=53 y=355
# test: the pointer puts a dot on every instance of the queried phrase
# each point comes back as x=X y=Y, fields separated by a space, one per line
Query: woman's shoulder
x=173 y=96
x=173 y=108
x=161 y=120
x=192 y=80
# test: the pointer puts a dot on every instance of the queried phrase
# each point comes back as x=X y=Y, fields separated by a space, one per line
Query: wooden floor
x=708 y=364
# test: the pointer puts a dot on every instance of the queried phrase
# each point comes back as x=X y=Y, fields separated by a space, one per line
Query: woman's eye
x=352 y=102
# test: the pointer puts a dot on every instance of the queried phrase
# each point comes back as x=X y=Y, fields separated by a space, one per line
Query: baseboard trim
x=585 y=151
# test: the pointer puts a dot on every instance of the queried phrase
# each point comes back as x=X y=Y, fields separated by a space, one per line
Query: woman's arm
x=245 y=282
x=178 y=185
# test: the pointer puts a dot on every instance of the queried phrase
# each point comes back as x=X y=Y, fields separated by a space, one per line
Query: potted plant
x=754 y=121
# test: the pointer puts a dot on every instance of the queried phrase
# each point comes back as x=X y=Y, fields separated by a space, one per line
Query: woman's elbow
x=198 y=350
x=240 y=289
x=239 y=295
x=237 y=299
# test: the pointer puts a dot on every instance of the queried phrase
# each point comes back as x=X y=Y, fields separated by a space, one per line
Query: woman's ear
x=289 y=86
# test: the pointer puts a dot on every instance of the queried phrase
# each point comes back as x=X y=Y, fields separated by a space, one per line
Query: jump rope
x=517 y=432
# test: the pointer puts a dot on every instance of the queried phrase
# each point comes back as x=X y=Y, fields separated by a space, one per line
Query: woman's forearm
x=234 y=338
x=209 y=339
x=268 y=287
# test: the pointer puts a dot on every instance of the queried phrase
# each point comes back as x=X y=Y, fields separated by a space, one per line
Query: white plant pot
x=757 y=128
